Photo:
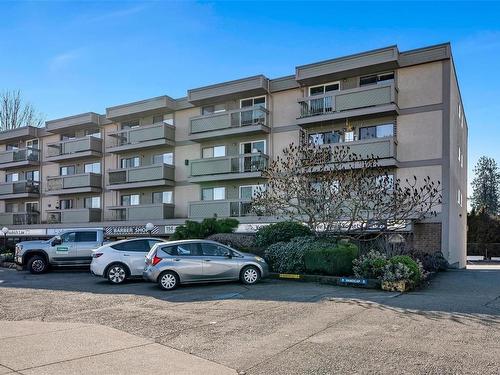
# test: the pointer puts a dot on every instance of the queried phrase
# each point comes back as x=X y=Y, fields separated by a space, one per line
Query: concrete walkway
x=74 y=348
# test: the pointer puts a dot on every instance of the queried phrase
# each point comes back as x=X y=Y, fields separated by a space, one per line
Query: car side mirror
x=57 y=241
x=228 y=254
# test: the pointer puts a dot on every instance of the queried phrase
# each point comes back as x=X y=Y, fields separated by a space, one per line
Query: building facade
x=164 y=160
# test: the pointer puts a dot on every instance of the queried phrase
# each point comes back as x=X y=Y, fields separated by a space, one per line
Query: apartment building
x=163 y=160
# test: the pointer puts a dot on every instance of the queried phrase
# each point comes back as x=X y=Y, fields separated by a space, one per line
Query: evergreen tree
x=485 y=186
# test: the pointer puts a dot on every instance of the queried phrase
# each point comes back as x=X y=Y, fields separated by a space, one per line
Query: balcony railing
x=20 y=155
x=338 y=101
x=19 y=218
x=19 y=187
x=220 y=208
x=75 y=147
x=255 y=162
x=74 y=215
x=257 y=115
x=381 y=148
x=161 y=132
x=143 y=174
x=156 y=211
x=74 y=181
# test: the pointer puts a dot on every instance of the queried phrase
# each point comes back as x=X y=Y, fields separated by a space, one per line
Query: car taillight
x=96 y=255
x=156 y=260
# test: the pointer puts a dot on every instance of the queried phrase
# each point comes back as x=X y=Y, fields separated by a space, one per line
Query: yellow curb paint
x=289 y=276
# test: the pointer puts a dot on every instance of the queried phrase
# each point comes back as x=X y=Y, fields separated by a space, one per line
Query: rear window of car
x=134 y=245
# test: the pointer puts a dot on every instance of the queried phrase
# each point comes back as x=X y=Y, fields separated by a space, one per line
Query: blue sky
x=74 y=57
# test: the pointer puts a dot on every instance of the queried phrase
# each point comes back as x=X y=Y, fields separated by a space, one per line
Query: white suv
x=121 y=260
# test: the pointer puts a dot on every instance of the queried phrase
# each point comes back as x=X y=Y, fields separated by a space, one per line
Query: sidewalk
x=28 y=347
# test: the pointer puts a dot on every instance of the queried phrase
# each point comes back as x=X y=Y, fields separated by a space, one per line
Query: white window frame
x=31 y=202
x=323 y=85
x=259 y=140
x=249 y=186
x=213 y=151
x=253 y=101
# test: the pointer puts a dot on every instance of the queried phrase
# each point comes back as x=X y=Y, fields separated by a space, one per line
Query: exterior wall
x=428 y=132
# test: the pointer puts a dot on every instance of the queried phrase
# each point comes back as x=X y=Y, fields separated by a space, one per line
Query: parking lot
x=284 y=327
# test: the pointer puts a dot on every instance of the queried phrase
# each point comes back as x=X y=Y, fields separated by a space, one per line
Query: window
x=323 y=89
x=67 y=170
x=92 y=202
x=66 y=204
x=96 y=133
x=213 y=152
x=32 y=144
x=324 y=138
x=213 y=250
x=93 y=168
x=168 y=119
x=170 y=250
x=386 y=181
x=130 y=124
x=376 y=78
x=213 y=194
x=162 y=197
x=11 y=207
x=133 y=246
x=130 y=200
x=167 y=158
x=252 y=102
x=209 y=109
x=68 y=137
x=249 y=192
x=32 y=176
x=253 y=147
x=188 y=249
x=130 y=162
x=151 y=243
x=90 y=236
x=68 y=237
x=157 y=119
x=12 y=146
x=378 y=131
x=11 y=177
x=459 y=197
x=31 y=206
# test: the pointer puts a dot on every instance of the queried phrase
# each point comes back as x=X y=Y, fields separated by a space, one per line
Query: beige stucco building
x=163 y=160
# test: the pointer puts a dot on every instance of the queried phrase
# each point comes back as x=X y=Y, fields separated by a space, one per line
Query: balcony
x=361 y=101
x=149 y=136
x=138 y=177
x=384 y=149
x=228 y=167
x=142 y=213
x=74 y=184
x=74 y=215
x=222 y=208
x=19 y=189
x=19 y=218
x=74 y=149
x=23 y=157
x=251 y=120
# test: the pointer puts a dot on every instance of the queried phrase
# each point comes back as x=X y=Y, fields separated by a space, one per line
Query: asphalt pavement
x=277 y=326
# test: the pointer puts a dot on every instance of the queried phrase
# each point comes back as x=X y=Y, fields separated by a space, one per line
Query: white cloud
x=64 y=59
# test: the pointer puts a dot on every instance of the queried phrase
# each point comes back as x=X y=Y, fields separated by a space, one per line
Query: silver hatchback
x=192 y=261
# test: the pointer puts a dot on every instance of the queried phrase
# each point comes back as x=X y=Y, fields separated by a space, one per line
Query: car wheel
x=117 y=274
x=37 y=264
x=168 y=280
x=250 y=275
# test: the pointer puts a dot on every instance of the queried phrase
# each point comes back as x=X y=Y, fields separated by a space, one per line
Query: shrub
x=394 y=272
x=242 y=242
x=336 y=261
x=369 y=266
x=288 y=257
x=194 y=229
x=279 y=232
x=414 y=267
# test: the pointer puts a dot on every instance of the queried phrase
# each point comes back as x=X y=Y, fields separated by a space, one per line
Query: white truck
x=69 y=248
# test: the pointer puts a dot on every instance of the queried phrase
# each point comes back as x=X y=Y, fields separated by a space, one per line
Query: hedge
x=334 y=261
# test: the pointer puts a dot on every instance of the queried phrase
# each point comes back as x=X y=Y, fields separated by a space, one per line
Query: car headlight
x=259 y=259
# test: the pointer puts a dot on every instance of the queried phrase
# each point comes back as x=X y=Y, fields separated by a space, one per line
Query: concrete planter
x=332 y=280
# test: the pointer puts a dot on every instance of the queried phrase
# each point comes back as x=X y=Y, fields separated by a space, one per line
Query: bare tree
x=15 y=113
x=333 y=190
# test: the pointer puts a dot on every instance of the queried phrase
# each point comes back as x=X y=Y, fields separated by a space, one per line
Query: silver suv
x=192 y=261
